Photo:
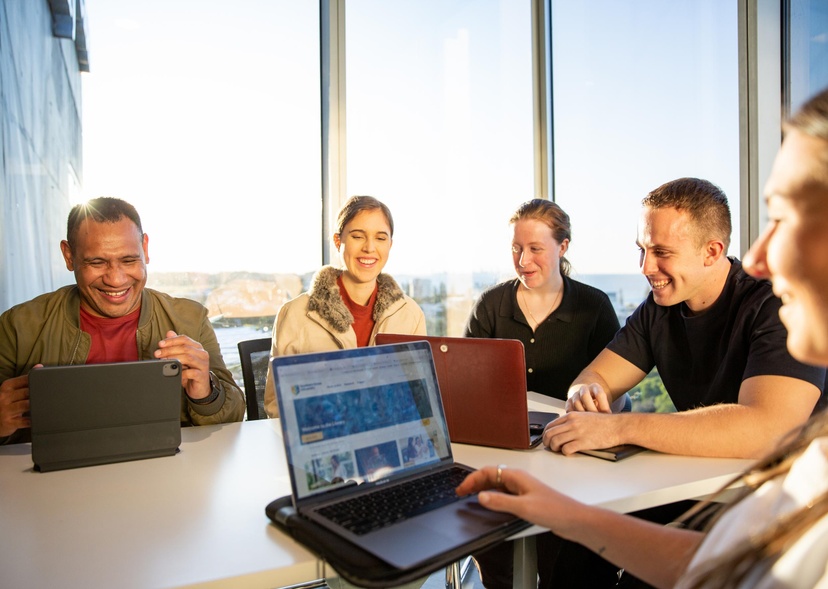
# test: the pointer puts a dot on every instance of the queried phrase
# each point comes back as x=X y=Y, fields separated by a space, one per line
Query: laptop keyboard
x=383 y=507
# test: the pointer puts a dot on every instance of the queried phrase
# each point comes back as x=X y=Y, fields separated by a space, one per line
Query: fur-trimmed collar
x=326 y=300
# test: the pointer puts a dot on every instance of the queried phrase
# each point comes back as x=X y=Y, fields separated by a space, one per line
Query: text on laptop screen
x=359 y=415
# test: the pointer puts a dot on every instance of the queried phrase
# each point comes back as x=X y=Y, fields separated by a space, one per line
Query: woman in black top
x=562 y=323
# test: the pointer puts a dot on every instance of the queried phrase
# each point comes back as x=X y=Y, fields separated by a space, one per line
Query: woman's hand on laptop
x=14 y=404
x=523 y=495
x=195 y=363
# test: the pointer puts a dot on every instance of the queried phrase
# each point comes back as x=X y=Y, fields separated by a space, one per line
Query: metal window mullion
x=333 y=140
x=760 y=108
x=541 y=99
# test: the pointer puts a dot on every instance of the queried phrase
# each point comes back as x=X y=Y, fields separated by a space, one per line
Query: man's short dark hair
x=104 y=209
x=705 y=202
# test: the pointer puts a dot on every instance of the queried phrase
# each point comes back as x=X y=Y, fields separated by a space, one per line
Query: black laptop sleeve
x=359 y=567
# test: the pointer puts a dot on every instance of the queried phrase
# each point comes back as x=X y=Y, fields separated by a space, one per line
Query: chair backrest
x=254 y=355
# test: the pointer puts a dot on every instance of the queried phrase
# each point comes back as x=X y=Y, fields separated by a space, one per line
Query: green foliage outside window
x=650 y=396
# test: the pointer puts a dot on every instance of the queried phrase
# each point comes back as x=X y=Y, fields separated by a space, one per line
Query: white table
x=641 y=481
x=197 y=519
x=645 y=480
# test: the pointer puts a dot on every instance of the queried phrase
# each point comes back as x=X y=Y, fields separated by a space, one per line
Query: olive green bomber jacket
x=46 y=330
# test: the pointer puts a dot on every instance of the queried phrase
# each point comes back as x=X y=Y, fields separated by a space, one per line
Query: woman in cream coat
x=347 y=307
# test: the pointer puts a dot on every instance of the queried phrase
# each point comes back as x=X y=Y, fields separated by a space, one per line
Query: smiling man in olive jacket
x=109 y=316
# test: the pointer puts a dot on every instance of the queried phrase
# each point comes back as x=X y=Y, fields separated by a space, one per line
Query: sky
x=193 y=113
x=206 y=116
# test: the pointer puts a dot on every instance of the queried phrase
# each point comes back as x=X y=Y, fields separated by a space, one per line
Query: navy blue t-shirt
x=703 y=359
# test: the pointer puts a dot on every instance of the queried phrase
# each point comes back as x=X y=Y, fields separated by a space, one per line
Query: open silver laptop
x=362 y=424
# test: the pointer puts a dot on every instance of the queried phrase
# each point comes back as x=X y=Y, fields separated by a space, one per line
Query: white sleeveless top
x=805 y=564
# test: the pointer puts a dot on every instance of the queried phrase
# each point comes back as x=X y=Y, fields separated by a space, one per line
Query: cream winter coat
x=318 y=321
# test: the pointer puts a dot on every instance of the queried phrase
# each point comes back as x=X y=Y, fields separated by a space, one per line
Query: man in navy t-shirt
x=713 y=333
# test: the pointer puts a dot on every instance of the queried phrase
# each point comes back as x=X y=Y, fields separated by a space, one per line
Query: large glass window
x=644 y=92
x=439 y=126
x=205 y=115
x=807 y=51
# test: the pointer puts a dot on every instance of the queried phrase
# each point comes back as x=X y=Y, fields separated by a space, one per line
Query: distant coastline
x=628 y=288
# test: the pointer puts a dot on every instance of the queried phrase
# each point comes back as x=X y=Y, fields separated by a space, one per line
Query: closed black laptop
x=100 y=413
x=366 y=426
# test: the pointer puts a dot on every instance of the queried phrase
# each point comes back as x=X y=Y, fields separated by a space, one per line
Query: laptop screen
x=359 y=415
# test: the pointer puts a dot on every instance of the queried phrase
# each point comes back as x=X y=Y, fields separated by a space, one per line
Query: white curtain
x=40 y=149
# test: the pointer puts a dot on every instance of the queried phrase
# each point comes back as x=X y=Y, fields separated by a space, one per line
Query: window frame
x=761 y=84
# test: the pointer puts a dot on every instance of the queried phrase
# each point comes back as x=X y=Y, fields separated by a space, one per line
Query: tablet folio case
x=88 y=414
x=354 y=564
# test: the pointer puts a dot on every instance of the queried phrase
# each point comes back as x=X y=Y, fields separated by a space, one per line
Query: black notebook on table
x=366 y=426
x=615 y=453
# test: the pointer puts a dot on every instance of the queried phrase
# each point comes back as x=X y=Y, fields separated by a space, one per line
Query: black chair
x=254 y=355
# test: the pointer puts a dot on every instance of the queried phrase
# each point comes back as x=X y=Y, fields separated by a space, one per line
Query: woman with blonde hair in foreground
x=775 y=533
